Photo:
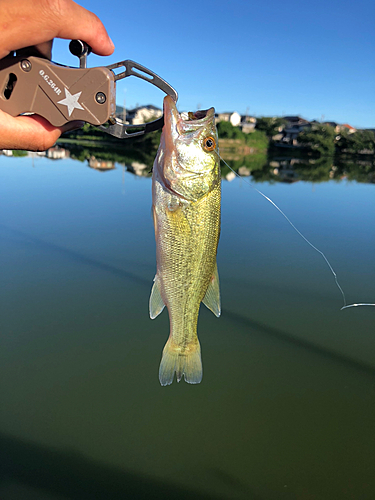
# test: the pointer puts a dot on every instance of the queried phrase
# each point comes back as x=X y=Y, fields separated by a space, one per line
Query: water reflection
x=292 y=169
x=101 y=165
x=271 y=168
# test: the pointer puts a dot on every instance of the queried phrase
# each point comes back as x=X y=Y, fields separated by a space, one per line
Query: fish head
x=188 y=161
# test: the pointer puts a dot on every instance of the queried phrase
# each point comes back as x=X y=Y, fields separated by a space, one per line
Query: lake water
x=286 y=408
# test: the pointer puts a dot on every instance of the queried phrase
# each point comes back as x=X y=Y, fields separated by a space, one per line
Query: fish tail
x=187 y=364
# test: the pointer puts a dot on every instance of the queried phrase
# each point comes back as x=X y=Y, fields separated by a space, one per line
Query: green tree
x=356 y=142
x=257 y=140
x=319 y=139
x=227 y=131
x=270 y=124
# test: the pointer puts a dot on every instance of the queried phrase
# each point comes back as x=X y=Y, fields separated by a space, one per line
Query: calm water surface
x=287 y=403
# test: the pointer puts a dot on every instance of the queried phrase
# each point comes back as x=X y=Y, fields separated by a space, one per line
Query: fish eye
x=209 y=143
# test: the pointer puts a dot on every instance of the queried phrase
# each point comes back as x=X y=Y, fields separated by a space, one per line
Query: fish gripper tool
x=61 y=94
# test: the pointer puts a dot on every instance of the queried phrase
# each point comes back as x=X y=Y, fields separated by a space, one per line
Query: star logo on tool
x=71 y=101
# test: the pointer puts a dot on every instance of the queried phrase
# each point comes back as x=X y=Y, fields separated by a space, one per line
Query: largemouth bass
x=186 y=197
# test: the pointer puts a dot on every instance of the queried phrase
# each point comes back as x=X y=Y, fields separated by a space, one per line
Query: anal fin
x=156 y=304
x=212 y=298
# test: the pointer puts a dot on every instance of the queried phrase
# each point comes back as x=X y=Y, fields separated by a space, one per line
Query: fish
x=186 y=206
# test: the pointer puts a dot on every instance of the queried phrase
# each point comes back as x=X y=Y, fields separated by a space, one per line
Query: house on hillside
x=294 y=125
x=349 y=128
x=334 y=125
x=248 y=124
x=247 y=127
x=233 y=117
x=339 y=128
x=295 y=122
x=143 y=114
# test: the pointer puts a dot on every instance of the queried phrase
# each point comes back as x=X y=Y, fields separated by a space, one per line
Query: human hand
x=36 y=23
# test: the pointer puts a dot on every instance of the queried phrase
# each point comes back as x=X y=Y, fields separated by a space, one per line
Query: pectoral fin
x=212 y=297
x=156 y=302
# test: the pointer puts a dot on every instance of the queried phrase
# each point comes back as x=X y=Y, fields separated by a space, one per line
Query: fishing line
x=345 y=306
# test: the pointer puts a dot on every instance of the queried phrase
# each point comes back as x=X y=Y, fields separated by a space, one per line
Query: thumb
x=32 y=133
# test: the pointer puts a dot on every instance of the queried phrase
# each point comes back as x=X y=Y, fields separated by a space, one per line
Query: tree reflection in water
x=138 y=157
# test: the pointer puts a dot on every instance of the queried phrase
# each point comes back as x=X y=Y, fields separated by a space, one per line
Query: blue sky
x=316 y=59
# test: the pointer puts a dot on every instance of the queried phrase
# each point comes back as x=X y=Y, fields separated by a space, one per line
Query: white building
x=143 y=114
x=233 y=117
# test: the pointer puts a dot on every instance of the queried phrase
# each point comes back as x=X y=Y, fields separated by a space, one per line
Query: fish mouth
x=185 y=122
x=197 y=115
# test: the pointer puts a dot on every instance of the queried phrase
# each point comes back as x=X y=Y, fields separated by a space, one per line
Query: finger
x=31 y=133
x=48 y=19
x=89 y=28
